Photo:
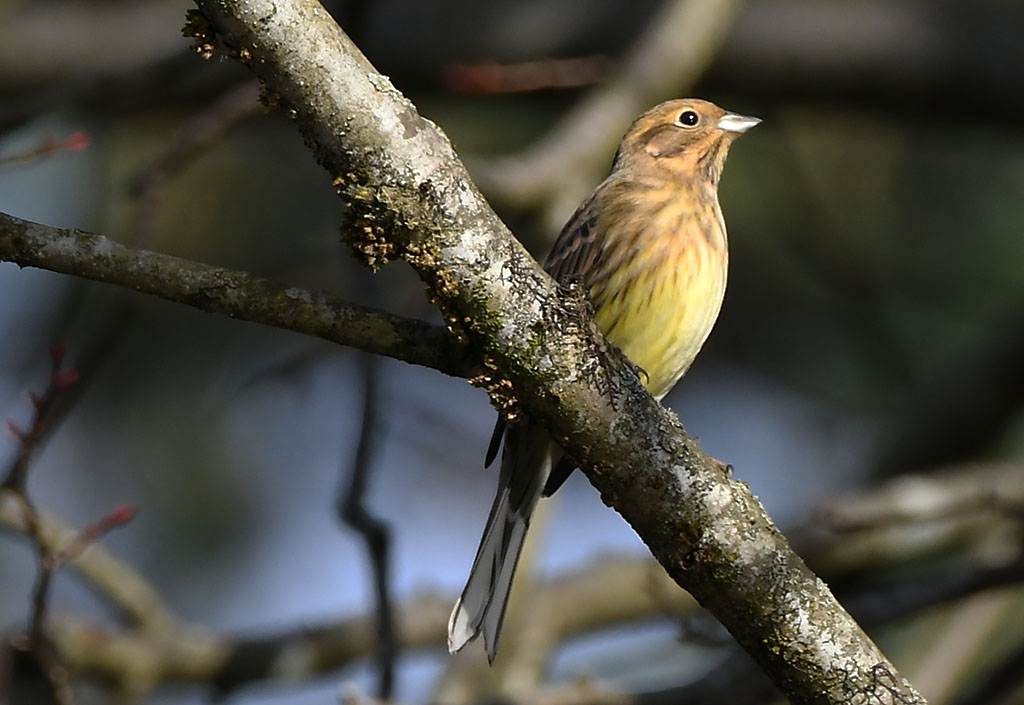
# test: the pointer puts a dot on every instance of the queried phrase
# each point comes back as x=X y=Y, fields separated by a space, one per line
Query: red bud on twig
x=120 y=515
x=91 y=534
x=14 y=429
x=62 y=379
x=56 y=353
x=76 y=142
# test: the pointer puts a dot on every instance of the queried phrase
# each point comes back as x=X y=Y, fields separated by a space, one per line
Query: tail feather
x=525 y=465
x=494 y=616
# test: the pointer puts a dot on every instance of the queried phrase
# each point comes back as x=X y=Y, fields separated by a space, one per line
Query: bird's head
x=689 y=138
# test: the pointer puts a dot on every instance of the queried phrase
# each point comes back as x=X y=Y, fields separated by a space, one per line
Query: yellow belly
x=660 y=316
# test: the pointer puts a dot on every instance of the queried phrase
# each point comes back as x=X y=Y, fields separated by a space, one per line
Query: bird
x=649 y=247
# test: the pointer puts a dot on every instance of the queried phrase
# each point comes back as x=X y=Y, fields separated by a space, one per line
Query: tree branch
x=611 y=592
x=231 y=293
x=159 y=648
x=112 y=579
x=352 y=509
x=410 y=196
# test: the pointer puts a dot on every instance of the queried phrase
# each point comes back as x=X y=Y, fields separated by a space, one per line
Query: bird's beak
x=734 y=122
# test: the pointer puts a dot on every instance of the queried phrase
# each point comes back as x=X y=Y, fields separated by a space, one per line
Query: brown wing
x=576 y=250
x=573 y=253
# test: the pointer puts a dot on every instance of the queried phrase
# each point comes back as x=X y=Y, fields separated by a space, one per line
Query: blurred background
x=873 y=327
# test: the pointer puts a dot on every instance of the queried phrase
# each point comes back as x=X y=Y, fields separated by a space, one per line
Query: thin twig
x=962 y=491
x=205 y=127
x=54 y=405
x=111 y=579
x=492 y=77
x=612 y=592
x=210 y=124
x=49 y=561
x=50 y=408
x=46 y=416
x=38 y=646
x=883 y=604
x=75 y=142
x=375 y=532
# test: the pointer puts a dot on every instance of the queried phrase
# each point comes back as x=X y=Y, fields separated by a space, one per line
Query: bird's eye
x=688 y=118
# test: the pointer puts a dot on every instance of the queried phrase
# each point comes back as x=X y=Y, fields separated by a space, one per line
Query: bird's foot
x=723 y=466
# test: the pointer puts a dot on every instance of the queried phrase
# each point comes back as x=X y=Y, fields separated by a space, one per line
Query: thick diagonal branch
x=410 y=196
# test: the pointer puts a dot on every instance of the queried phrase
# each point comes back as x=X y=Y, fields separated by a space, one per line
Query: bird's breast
x=658 y=286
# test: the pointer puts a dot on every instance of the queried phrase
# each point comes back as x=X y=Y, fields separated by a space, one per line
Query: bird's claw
x=721 y=465
x=640 y=372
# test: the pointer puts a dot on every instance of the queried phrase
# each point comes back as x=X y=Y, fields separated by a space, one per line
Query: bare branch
x=231 y=293
x=375 y=532
x=161 y=649
x=50 y=557
x=46 y=407
x=614 y=591
x=112 y=579
x=204 y=128
x=74 y=142
x=940 y=496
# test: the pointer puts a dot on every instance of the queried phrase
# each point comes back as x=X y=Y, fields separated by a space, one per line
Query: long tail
x=525 y=465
